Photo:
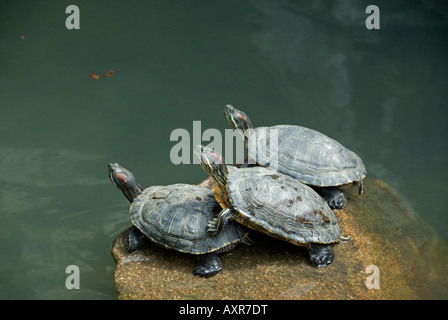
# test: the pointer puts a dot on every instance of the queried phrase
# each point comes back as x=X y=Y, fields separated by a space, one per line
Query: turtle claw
x=212 y=222
x=218 y=224
x=211 y=227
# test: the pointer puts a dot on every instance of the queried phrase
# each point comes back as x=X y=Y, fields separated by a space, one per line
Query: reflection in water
x=308 y=51
x=46 y=167
x=381 y=92
x=47 y=223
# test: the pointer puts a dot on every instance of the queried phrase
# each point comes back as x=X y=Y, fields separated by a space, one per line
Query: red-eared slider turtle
x=304 y=154
x=175 y=217
x=273 y=203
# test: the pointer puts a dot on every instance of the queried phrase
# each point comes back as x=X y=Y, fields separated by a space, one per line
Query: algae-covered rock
x=392 y=254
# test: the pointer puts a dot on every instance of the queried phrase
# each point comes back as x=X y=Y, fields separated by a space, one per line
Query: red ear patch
x=217 y=157
x=120 y=177
x=239 y=115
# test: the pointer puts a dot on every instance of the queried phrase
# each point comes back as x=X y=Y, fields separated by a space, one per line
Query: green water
x=383 y=93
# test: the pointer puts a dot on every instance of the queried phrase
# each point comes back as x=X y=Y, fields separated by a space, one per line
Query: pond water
x=382 y=93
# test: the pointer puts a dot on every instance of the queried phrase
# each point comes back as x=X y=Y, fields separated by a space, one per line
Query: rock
x=386 y=233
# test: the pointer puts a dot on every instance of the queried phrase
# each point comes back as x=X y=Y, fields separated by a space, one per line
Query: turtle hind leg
x=321 y=255
x=208 y=266
x=135 y=238
x=335 y=197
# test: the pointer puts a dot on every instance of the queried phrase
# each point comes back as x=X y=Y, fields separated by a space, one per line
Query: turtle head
x=212 y=163
x=124 y=180
x=237 y=119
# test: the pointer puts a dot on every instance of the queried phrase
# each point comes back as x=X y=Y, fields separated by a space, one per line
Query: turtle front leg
x=321 y=255
x=135 y=239
x=208 y=266
x=217 y=225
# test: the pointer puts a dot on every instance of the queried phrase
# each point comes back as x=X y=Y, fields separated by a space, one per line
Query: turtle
x=304 y=154
x=175 y=217
x=273 y=203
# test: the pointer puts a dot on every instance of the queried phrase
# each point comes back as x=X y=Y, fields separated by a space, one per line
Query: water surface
x=382 y=93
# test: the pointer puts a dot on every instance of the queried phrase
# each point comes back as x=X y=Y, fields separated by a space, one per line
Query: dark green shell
x=307 y=155
x=176 y=216
x=281 y=206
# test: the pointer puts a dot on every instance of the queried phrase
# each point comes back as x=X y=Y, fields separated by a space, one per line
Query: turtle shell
x=307 y=155
x=280 y=206
x=176 y=216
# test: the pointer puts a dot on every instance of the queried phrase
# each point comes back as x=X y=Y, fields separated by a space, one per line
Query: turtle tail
x=360 y=187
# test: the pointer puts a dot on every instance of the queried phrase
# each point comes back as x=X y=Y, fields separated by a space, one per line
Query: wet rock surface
x=386 y=233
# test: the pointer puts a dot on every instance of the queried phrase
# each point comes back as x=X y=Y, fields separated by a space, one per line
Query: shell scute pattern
x=307 y=155
x=176 y=216
x=282 y=206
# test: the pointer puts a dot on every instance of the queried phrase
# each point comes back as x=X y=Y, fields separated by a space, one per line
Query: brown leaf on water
x=94 y=76
x=109 y=73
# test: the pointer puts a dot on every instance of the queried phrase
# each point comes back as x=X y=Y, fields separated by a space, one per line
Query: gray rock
x=410 y=257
